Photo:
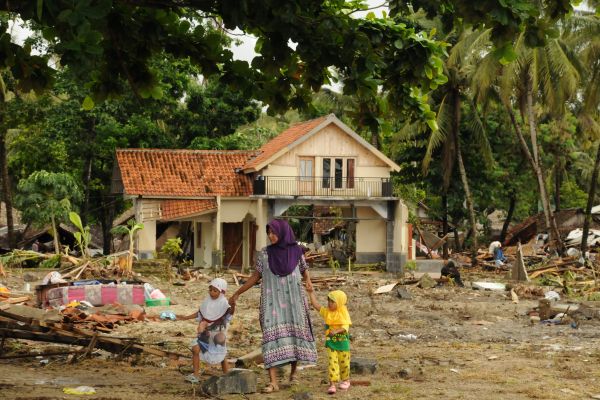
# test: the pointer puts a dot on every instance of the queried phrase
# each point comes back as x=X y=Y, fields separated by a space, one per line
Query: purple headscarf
x=285 y=254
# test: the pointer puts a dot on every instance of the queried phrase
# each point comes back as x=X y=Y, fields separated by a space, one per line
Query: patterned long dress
x=284 y=316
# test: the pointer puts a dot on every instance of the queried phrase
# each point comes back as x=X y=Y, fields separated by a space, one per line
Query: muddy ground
x=469 y=344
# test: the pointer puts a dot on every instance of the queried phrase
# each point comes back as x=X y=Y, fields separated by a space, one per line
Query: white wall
x=370 y=234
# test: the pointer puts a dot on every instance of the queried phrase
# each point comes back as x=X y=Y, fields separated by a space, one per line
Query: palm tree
x=547 y=76
x=459 y=68
x=585 y=39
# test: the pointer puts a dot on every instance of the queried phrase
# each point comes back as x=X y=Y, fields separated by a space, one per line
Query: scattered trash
x=79 y=390
x=168 y=315
x=385 y=289
x=454 y=370
x=488 y=286
x=53 y=277
x=552 y=295
x=407 y=337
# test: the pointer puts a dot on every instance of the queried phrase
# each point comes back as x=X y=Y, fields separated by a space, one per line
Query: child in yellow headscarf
x=337 y=342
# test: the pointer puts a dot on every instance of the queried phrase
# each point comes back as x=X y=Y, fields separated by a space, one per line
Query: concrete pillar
x=146 y=240
x=217 y=245
x=261 y=223
x=392 y=258
x=245 y=243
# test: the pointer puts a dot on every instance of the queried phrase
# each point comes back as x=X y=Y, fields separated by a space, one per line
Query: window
x=342 y=170
x=339 y=169
x=326 y=172
x=306 y=170
x=350 y=173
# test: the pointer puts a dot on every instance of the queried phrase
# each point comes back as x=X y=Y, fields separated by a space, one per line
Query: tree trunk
x=6 y=187
x=55 y=234
x=87 y=175
x=549 y=217
x=557 y=184
x=464 y=179
x=457 y=245
x=445 y=224
x=511 y=210
x=7 y=192
x=106 y=221
x=590 y=203
x=551 y=222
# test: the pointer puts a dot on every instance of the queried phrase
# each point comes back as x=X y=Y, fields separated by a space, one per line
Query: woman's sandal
x=294 y=380
x=270 y=388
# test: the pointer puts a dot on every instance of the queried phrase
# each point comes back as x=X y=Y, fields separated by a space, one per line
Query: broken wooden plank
x=49 y=354
x=15 y=300
x=385 y=288
x=252 y=358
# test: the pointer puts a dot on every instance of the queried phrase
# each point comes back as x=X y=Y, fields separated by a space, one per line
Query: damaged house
x=227 y=197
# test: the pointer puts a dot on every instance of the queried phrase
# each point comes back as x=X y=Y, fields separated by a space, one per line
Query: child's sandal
x=270 y=388
x=331 y=389
x=345 y=385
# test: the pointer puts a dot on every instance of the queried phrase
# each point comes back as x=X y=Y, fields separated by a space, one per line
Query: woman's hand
x=309 y=286
x=233 y=299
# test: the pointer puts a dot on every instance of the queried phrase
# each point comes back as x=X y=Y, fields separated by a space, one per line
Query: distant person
x=450 y=270
x=337 y=341
x=499 y=258
x=213 y=317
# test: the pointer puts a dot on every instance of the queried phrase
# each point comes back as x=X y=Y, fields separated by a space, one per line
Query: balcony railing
x=322 y=186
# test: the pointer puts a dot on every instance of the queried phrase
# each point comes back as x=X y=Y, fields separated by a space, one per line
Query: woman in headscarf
x=284 y=317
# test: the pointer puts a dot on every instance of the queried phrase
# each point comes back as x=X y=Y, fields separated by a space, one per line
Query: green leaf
x=88 y=103
x=76 y=220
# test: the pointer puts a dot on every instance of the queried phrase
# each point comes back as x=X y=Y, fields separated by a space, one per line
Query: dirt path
x=469 y=345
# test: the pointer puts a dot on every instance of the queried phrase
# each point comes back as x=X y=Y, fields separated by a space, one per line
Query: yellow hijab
x=340 y=316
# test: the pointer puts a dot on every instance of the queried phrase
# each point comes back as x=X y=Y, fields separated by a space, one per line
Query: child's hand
x=200 y=329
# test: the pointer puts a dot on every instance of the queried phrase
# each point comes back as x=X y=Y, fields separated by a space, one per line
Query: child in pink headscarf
x=213 y=318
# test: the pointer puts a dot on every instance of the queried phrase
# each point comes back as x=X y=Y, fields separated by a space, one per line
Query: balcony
x=286 y=186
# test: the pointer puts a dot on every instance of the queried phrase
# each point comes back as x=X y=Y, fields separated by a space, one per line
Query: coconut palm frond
x=476 y=126
x=444 y=121
x=484 y=76
x=409 y=131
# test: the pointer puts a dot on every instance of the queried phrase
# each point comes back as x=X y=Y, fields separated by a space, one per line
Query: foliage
x=52 y=262
x=172 y=248
x=47 y=198
x=106 y=42
x=571 y=196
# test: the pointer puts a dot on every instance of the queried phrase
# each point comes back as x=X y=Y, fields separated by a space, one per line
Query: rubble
x=22 y=322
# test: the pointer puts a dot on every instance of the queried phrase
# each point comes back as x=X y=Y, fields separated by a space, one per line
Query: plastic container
x=158 y=302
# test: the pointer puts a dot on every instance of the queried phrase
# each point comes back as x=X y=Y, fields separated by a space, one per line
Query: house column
x=392 y=258
x=217 y=245
x=261 y=223
x=146 y=237
x=245 y=244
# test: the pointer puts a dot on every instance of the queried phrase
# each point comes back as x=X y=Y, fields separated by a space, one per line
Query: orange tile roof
x=181 y=173
x=283 y=140
x=173 y=209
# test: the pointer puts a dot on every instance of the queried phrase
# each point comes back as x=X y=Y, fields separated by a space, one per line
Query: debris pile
x=71 y=327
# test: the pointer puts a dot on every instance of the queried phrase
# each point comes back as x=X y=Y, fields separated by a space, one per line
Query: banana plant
x=130 y=230
x=83 y=237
